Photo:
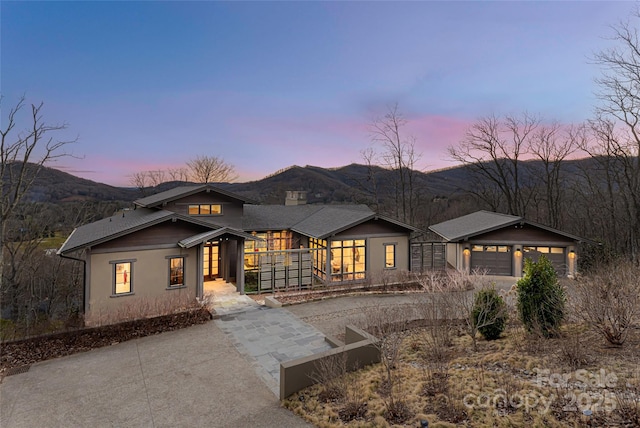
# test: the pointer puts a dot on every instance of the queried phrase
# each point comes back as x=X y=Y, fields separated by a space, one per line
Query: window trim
x=184 y=262
x=395 y=261
x=115 y=263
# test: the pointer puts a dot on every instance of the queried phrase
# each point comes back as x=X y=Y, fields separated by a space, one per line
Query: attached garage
x=500 y=243
x=557 y=256
x=495 y=259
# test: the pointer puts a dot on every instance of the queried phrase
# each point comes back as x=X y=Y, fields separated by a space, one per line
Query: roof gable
x=473 y=224
x=121 y=224
x=482 y=222
x=183 y=191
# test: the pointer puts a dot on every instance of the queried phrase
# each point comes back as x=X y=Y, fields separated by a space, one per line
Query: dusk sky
x=266 y=85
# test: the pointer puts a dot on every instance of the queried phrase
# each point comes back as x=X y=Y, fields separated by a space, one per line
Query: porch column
x=517 y=261
x=200 y=271
x=240 y=266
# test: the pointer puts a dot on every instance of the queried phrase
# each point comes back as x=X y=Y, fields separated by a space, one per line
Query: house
x=164 y=250
x=499 y=244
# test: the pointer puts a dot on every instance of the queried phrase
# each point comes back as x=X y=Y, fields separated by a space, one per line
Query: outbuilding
x=499 y=243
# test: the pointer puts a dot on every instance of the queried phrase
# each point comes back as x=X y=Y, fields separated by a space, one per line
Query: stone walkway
x=264 y=336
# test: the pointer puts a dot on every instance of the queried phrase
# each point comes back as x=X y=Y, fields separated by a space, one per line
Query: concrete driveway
x=192 y=377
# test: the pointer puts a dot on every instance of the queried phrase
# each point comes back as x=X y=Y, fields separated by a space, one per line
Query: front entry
x=211 y=259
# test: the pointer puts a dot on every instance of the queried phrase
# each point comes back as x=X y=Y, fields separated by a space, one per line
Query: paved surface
x=269 y=336
x=187 y=378
x=219 y=374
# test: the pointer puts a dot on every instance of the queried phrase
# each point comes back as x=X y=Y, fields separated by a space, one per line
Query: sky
x=266 y=85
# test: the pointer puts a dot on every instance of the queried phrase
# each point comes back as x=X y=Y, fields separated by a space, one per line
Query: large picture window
x=348 y=260
x=176 y=271
x=122 y=277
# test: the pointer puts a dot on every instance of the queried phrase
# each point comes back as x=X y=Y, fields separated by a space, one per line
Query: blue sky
x=265 y=85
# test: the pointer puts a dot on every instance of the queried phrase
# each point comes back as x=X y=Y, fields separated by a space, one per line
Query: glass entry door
x=211 y=260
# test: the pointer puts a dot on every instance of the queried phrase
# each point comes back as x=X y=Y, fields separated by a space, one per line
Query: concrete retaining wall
x=360 y=349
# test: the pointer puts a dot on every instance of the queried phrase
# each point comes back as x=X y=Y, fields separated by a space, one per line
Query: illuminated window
x=557 y=250
x=389 y=256
x=490 y=248
x=205 y=209
x=347 y=260
x=122 y=277
x=543 y=250
x=176 y=271
x=503 y=249
x=477 y=248
x=319 y=247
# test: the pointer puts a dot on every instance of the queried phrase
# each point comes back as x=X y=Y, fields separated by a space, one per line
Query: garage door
x=555 y=254
x=496 y=259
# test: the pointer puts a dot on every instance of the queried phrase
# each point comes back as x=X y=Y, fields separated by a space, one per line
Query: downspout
x=84 y=279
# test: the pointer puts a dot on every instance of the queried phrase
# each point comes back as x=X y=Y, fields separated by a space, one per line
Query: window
x=319 y=256
x=176 y=271
x=205 y=209
x=347 y=259
x=477 y=248
x=122 y=277
x=389 y=256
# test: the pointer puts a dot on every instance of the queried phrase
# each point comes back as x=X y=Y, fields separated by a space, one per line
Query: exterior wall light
x=572 y=254
x=518 y=253
x=466 y=252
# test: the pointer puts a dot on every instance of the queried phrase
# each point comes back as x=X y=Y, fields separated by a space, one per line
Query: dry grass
x=518 y=380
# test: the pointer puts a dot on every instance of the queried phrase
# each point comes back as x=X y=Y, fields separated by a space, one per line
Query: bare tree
x=552 y=146
x=399 y=155
x=493 y=149
x=178 y=174
x=140 y=180
x=619 y=94
x=22 y=155
x=210 y=169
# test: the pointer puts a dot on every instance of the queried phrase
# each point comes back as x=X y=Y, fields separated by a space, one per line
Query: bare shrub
x=435 y=309
x=388 y=323
x=572 y=351
x=354 y=399
x=436 y=377
x=609 y=300
x=330 y=373
x=174 y=302
x=627 y=399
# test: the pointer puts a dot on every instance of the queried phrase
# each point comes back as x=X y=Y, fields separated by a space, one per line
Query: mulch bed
x=28 y=351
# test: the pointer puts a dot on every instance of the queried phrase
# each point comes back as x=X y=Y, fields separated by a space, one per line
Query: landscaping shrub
x=489 y=313
x=541 y=299
x=608 y=300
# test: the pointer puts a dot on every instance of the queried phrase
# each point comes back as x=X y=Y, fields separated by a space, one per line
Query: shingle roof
x=332 y=219
x=275 y=217
x=473 y=224
x=180 y=192
x=318 y=221
x=119 y=224
x=486 y=221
